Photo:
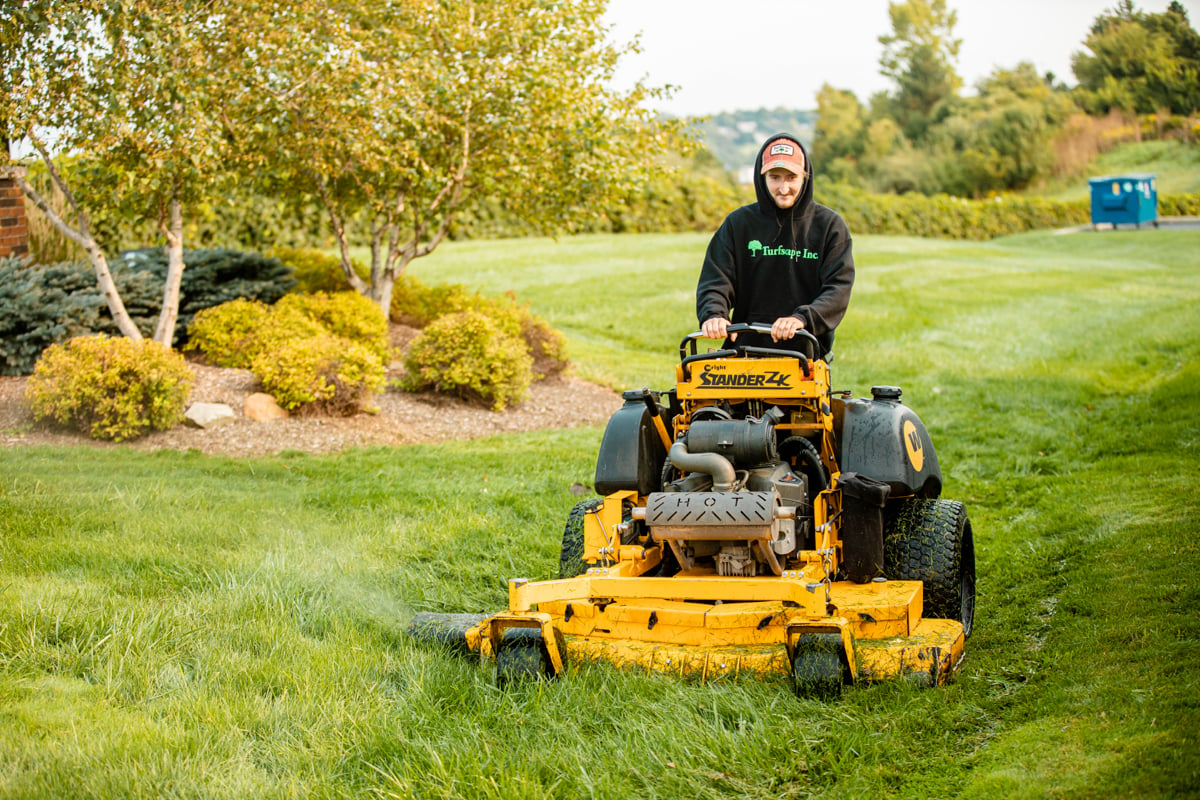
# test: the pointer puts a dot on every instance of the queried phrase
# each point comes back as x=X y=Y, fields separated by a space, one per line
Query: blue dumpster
x=1124 y=199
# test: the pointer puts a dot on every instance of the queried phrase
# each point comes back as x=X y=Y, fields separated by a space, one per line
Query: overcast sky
x=725 y=55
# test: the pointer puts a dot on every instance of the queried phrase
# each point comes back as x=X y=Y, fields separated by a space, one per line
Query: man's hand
x=715 y=328
x=785 y=328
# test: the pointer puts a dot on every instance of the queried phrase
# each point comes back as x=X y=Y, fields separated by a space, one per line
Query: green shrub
x=41 y=306
x=316 y=270
x=45 y=304
x=227 y=335
x=346 y=314
x=320 y=374
x=467 y=354
x=110 y=387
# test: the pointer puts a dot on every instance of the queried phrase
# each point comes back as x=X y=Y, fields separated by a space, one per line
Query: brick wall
x=14 y=229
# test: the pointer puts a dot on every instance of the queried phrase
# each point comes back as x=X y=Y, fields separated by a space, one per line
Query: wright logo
x=912 y=444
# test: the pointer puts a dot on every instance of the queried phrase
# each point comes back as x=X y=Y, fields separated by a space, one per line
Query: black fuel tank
x=884 y=439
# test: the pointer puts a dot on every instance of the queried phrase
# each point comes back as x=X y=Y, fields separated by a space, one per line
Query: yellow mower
x=752 y=522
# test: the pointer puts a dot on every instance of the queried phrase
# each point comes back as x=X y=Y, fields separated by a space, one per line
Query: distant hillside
x=1175 y=164
x=735 y=136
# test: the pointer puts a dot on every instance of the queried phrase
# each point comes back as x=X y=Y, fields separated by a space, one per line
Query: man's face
x=784 y=186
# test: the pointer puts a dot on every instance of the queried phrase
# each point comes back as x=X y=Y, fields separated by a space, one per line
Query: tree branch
x=84 y=239
x=81 y=218
x=339 y=230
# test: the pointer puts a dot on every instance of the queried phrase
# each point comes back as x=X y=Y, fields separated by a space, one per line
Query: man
x=783 y=261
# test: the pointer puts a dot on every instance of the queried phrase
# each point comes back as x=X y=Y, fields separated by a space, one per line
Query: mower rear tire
x=931 y=541
x=570 y=559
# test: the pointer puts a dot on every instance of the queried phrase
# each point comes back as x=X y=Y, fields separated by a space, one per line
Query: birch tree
x=394 y=113
x=129 y=94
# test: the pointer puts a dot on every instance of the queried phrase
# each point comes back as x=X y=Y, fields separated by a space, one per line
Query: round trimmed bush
x=227 y=335
x=469 y=355
x=320 y=374
x=546 y=345
x=345 y=314
x=110 y=387
x=417 y=305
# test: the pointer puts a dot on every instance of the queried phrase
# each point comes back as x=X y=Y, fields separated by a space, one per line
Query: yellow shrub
x=321 y=374
x=469 y=355
x=417 y=304
x=546 y=345
x=345 y=314
x=316 y=270
x=110 y=388
x=227 y=335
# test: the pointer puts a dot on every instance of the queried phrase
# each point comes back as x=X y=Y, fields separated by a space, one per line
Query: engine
x=731 y=497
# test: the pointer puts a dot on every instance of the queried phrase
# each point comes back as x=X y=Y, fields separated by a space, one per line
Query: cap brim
x=779 y=163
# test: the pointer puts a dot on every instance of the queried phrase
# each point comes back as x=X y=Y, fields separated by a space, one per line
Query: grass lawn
x=176 y=625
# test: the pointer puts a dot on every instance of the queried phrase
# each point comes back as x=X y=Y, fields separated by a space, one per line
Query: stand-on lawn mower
x=752 y=521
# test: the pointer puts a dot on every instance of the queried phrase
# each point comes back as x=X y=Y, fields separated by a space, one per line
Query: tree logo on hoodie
x=755 y=245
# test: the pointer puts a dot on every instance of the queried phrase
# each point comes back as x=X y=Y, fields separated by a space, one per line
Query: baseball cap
x=783 y=153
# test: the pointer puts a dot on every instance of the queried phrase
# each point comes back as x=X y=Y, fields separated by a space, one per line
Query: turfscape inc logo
x=758 y=249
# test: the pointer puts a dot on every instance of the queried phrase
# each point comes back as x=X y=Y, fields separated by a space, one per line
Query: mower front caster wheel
x=817 y=668
x=521 y=656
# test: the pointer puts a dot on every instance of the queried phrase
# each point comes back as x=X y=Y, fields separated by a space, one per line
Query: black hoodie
x=765 y=262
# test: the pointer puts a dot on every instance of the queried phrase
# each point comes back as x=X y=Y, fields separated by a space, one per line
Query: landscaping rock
x=261 y=407
x=207 y=415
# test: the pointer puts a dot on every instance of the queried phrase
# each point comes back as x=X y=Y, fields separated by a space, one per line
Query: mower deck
x=731 y=627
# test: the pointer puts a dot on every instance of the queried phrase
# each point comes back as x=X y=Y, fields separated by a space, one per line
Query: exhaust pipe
x=714 y=464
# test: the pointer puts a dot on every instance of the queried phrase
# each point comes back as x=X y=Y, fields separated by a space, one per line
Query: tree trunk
x=84 y=239
x=164 y=334
x=381 y=292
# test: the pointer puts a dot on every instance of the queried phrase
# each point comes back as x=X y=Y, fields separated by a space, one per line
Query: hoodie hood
x=767 y=205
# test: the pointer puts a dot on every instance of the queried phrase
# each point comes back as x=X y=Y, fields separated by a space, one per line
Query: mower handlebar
x=689 y=341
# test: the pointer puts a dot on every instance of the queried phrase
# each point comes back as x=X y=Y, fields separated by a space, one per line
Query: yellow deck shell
x=639 y=622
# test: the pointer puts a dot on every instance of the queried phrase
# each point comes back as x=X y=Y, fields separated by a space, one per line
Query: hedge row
x=945 y=217
x=1179 y=205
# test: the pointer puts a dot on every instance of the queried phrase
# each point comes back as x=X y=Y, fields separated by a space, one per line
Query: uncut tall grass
x=176 y=625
